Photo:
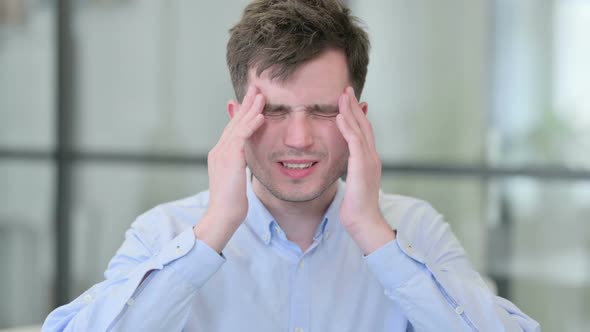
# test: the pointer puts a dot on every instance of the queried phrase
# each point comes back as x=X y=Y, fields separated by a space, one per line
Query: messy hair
x=281 y=35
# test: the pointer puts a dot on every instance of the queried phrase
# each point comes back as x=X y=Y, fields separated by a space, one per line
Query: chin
x=296 y=197
x=289 y=192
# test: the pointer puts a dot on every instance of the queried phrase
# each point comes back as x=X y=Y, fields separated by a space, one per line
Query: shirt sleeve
x=426 y=271
x=148 y=285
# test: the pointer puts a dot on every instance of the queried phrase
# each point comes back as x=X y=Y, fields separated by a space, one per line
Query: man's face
x=299 y=153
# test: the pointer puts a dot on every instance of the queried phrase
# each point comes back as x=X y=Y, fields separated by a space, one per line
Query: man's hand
x=228 y=203
x=360 y=214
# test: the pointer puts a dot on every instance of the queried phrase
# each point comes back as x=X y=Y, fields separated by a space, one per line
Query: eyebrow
x=324 y=108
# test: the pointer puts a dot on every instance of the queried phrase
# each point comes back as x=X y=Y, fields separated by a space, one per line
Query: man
x=279 y=242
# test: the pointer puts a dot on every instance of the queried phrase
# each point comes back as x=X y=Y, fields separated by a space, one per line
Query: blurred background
x=482 y=107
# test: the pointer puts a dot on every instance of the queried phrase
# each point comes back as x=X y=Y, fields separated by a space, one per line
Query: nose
x=299 y=131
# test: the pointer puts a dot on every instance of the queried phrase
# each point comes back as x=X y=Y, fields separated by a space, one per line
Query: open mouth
x=291 y=165
x=297 y=169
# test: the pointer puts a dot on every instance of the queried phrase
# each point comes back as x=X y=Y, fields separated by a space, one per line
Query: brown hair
x=281 y=35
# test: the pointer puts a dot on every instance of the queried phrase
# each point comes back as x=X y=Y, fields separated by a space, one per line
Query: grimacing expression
x=299 y=152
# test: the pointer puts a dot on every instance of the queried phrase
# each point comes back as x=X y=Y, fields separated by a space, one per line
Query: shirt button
x=301 y=265
x=87 y=298
x=130 y=302
x=459 y=310
x=265 y=237
x=327 y=234
x=178 y=250
x=298 y=329
x=389 y=292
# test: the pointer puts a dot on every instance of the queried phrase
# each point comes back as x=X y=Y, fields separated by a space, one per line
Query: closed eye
x=324 y=112
x=279 y=112
x=276 y=112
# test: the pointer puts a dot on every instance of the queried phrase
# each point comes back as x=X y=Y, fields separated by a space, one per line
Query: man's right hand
x=228 y=203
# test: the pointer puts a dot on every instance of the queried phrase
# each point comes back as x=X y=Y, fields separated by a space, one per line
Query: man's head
x=300 y=55
x=281 y=35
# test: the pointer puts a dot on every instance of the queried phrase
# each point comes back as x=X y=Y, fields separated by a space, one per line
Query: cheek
x=333 y=139
x=340 y=145
x=259 y=135
x=333 y=133
x=263 y=140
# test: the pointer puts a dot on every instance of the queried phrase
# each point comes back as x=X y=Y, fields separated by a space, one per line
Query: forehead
x=318 y=81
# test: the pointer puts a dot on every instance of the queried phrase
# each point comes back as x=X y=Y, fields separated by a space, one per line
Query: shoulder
x=406 y=213
x=419 y=226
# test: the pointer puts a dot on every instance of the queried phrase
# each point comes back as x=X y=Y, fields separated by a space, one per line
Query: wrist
x=214 y=231
x=371 y=234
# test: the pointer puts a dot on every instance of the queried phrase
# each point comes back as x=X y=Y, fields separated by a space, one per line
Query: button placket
x=300 y=300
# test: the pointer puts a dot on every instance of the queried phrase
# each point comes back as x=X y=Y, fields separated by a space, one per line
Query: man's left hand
x=360 y=214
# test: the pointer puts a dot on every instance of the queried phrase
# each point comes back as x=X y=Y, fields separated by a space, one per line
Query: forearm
x=100 y=306
x=425 y=270
x=132 y=299
x=435 y=299
x=409 y=283
x=160 y=304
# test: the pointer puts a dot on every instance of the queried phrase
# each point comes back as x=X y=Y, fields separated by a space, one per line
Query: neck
x=299 y=220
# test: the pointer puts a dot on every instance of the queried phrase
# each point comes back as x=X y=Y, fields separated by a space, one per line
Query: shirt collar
x=260 y=221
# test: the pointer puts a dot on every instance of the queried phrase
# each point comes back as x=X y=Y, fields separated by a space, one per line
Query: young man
x=279 y=242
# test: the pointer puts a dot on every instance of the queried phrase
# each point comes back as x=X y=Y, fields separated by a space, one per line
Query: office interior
x=481 y=107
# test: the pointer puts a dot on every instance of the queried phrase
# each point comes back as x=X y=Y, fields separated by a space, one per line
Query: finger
x=234 y=141
x=251 y=120
x=355 y=145
x=245 y=105
x=257 y=104
x=369 y=135
x=253 y=125
x=346 y=112
x=355 y=109
x=248 y=98
x=256 y=107
x=361 y=118
x=242 y=114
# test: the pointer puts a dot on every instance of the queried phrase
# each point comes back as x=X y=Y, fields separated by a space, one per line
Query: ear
x=232 y=108
x=365 y=107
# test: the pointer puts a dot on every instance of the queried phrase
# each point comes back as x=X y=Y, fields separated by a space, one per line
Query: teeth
x=297 y=166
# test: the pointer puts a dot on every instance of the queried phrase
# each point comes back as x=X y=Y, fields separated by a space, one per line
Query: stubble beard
x=263 y=175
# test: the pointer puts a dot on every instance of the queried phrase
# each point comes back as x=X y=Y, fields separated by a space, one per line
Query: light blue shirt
x=422 y=281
